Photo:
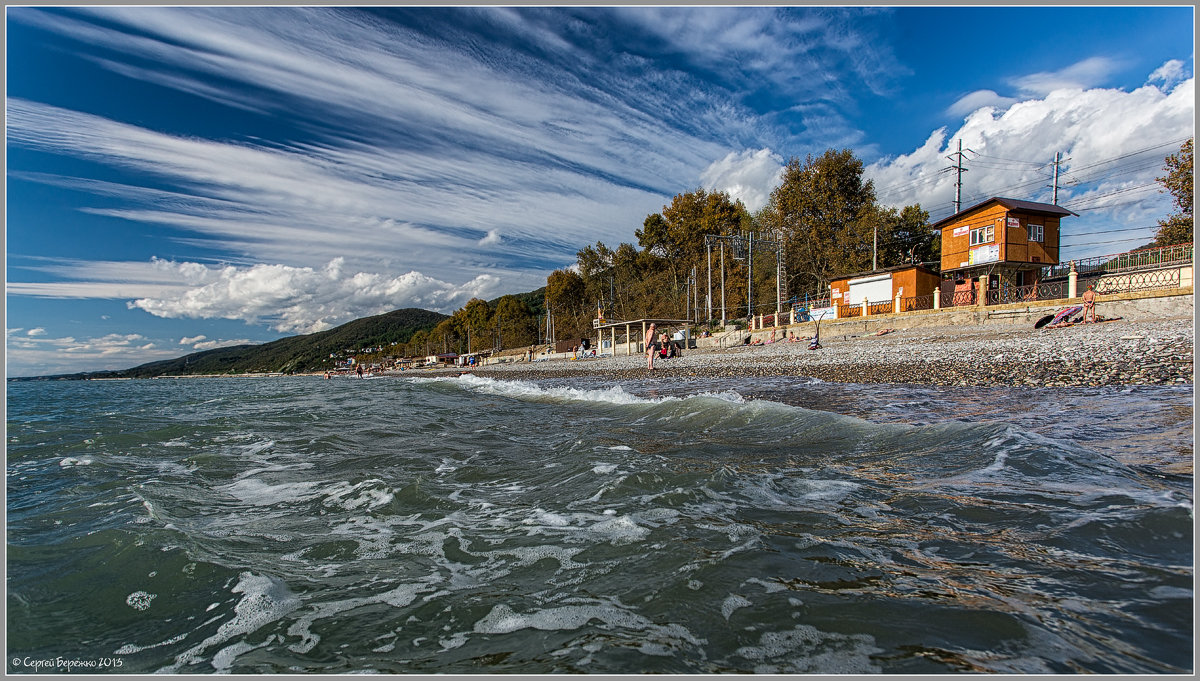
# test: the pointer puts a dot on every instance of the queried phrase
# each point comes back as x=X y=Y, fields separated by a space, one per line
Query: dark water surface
x=416 y=525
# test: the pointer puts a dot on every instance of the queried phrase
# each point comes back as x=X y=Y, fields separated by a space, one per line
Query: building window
x=983 y=235
x=1036 y=233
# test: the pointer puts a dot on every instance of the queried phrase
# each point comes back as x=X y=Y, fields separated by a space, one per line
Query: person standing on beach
x=1089 y=303
x=649 y=341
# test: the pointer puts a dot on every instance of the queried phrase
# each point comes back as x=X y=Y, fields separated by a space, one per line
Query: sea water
x=467 y=525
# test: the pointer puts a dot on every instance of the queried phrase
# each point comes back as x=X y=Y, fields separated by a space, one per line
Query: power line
x=1113 y=241
x=1112 y=231
x=1077 y=175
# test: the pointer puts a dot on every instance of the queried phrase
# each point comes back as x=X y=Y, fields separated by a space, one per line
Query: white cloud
x=492 y=238
x=304 y=299
x=42 y=355
x=749 y=175
x=979 y=99
x=214 y=344
x=188 y=340
x=1111 y=141
x=1089 y=73
x=440 y=167
x=36 y=332
x=1169 y=74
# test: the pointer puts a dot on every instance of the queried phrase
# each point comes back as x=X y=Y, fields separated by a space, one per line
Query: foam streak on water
x=468 y=525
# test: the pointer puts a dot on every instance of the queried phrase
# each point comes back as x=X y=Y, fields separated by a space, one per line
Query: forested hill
x=310 y=352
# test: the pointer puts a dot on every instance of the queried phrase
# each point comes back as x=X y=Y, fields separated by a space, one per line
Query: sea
x=465 y=525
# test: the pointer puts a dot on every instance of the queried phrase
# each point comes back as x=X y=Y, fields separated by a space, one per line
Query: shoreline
x=1118 y=353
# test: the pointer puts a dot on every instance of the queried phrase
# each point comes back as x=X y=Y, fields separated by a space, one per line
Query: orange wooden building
x=1008 y=241
x=913 y=284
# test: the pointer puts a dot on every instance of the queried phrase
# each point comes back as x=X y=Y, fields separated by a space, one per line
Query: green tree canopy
x=823 y=211
x=1177 y=227
x=566 y=300
x=514 y=321
x=677 y=235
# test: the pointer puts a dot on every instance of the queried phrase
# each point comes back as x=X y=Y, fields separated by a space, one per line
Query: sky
x=186 y=178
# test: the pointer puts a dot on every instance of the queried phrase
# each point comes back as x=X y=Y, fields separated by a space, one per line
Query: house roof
x=885 y=270
x=1011 y=204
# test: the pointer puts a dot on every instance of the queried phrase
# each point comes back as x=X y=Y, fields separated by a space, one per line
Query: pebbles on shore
x=1110 y=354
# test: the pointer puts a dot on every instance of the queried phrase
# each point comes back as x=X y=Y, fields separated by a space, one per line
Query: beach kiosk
x=997 y=245
x=601 y=325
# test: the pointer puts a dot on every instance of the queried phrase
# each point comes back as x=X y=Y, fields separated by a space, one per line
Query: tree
x=823 y=211
x=905 y=237
x=678 y=234
x=447 y=333
x=514 y=322
x=474 y=322
x=418 y=344
x=1177 y=227
x=566 y=301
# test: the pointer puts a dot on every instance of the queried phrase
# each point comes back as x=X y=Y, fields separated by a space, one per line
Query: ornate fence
x=1133 y=281
x=1023 y=294
x=959 y=298
x=916 y=303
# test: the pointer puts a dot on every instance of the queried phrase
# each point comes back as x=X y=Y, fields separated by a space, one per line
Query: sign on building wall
x=1014 y=222
x=962 y=231
x=982 y=254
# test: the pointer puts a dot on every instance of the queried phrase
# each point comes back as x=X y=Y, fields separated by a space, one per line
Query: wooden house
x=1008 y=241
x=880 y=288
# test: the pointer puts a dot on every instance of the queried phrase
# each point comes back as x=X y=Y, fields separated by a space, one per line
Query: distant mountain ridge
x=309 y=352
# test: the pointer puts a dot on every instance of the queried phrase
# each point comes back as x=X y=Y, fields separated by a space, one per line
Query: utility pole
x=1057 y=162
x=750 y=276
x=708 y=291
x=695 y=295
x=958 y=165
x=723 y=286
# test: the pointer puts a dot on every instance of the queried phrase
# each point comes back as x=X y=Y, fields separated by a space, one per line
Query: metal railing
x=959 y=298
x=1146 y=258
x=1022 y=294
x=1132 y=281
x=916 y=303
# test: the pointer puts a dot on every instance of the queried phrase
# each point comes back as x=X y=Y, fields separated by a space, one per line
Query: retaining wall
x=1136 y=306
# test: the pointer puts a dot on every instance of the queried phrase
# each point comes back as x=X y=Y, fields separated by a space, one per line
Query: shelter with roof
x=999 y=241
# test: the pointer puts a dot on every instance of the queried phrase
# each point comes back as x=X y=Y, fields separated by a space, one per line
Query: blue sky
x=186 y=178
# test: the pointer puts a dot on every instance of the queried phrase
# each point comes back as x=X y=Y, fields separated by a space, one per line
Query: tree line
x=821 y=222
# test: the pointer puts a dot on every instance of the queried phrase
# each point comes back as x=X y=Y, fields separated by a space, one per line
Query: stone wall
x=1138 y=306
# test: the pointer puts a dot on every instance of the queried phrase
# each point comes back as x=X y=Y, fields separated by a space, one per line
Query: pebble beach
x=1106 y=354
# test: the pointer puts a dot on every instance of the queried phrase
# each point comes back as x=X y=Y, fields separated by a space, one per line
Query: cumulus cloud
x=749 y=175
x=188 y=340
x=304 y=299
x=492 y=238
x=36 y=332
x=1112 y=141
x=1169 y=74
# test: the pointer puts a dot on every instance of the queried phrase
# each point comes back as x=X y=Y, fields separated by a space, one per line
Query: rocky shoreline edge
x=1117 y=353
